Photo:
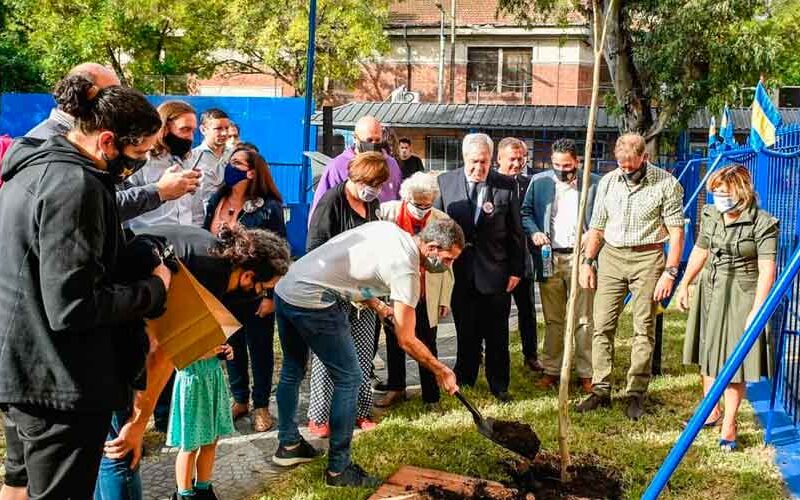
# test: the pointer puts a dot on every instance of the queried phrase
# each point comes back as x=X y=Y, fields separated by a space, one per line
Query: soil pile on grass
x=481 y=492
x=517 y=437
x=542 y=477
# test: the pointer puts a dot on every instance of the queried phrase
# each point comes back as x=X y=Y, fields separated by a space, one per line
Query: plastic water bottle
x=547 y=261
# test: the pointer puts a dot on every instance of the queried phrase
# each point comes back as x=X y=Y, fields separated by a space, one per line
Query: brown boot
x=390 y=399
x=547 y=382
x=262 y=420
x=586 y=385
x=239 y=410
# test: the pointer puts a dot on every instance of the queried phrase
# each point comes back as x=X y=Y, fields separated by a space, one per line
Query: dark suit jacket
x=494 y=249
x=537 y=208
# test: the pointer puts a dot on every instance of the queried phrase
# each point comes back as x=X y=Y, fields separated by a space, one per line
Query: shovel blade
x=513 y=436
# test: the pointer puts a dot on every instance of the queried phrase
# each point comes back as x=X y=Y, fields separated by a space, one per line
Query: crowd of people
x=102 y=201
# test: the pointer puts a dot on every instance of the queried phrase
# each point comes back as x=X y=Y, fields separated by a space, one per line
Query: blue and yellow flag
x=712 y=133
x=726 y=127
x=764 y=121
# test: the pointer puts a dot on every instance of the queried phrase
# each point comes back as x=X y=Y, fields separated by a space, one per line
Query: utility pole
x=453 y=51
x=440 y=87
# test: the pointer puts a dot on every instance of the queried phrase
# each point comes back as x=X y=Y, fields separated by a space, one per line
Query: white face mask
x=416 y=212
x=368 y=193
x=724 y=203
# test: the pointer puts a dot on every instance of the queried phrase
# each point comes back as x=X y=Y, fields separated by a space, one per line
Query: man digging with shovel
x=374 y=260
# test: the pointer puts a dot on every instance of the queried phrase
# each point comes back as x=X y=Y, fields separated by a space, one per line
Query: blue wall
x=274 y=124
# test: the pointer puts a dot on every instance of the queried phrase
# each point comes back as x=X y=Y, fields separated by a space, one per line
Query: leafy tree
x=19 y=71
x=272 y=36
x=784 y=22
x=147 y=42
x=675 y=55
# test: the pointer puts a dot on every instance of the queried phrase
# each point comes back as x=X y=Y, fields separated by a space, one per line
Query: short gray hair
x=420 y=183
x=476 y=141
x=444 y=232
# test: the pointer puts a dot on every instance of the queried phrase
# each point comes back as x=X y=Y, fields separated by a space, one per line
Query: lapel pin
x=488 y=207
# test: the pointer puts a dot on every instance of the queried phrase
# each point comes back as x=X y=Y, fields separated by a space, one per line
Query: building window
x=444 y=153
x=499 y=69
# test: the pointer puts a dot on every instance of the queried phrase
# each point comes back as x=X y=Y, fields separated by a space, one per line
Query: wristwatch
x=672 y=271
x=589 y=261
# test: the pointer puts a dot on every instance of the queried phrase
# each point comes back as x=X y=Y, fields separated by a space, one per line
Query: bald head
x=101 y=76
x=368 y=129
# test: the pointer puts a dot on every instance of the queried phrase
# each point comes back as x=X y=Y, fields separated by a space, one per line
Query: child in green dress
x=200 y=416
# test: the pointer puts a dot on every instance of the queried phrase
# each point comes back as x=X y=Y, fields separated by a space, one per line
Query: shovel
x=513 y=436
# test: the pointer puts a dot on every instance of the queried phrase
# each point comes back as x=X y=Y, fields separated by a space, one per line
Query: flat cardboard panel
x=195 y=321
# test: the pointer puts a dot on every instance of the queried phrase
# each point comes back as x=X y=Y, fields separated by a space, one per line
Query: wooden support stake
x=569 y=331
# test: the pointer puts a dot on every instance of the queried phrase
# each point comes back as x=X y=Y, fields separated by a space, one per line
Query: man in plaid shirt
x=637 y=209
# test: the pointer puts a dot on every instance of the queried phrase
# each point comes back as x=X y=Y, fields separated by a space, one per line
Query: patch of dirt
x=481 y=492
x=517 y=437
x=542 y=477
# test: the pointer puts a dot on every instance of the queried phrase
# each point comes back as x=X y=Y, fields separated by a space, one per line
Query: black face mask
x=177 y=145
x=636 y=176
x=565 y=175
x=363 y=147
x=122 y=166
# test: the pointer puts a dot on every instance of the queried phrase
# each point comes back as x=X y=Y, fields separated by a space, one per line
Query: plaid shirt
x=638 y=215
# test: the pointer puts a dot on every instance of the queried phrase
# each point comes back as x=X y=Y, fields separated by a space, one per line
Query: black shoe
x=534 y=365
x=205 y=494
x=303 y=453
x=353 y=475
x=504 y=397
x=635 y=408
x=592 y=403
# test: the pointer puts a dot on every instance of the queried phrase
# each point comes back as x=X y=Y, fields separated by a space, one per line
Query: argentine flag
x=764 y=120
x=712 y=133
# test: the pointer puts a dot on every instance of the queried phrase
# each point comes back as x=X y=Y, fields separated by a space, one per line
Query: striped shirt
x=640 y=214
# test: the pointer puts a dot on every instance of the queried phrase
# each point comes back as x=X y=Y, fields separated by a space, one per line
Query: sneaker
x=178 y=496
x=354 y=476
x=262 y=420
x=239 y=410
x=300 y=454
x=390 y=399
x=322 y=430
x=592 y=403
x=365 y=424
x=205 y=494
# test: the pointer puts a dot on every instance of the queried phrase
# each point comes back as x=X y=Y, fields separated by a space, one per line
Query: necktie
x=473 y=193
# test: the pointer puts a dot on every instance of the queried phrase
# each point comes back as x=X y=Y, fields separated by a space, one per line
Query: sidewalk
x=244 y=462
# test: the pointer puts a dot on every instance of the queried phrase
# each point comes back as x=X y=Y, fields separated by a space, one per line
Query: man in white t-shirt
x=377 y=259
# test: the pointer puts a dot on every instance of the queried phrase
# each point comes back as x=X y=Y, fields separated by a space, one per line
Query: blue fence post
x=733 y=363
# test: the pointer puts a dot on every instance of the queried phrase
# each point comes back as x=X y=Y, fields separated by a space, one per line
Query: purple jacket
x=336 y=173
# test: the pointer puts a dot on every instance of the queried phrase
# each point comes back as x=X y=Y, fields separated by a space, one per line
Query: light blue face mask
x=724 y=203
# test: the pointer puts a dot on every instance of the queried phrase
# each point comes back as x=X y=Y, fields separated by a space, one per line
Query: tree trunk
x=117 y=66
x=637 y=112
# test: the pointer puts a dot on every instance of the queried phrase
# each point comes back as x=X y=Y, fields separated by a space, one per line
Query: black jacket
x=495 y=245
x=65 y=323
x=334 y=215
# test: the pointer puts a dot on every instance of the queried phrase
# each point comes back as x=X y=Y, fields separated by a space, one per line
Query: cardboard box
x=195 y=321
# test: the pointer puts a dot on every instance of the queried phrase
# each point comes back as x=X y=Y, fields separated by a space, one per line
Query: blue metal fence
x=275 y=125
x=776 y=176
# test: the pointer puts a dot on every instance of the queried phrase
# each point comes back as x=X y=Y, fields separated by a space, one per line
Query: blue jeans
x=327 y=333
x=116 y=480
x=255 y=337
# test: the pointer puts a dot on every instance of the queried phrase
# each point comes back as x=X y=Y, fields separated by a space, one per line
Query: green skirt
x=716 y=323
x=201 y=411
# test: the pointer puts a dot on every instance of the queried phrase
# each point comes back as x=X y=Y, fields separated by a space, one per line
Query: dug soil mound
x=517 y=437
x=542 y=477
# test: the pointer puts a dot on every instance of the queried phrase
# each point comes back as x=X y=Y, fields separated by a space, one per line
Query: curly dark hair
x=124 y=111
x=257 y=250
x=565 y=146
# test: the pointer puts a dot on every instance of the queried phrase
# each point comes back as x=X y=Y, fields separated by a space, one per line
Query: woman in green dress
x=736 y=252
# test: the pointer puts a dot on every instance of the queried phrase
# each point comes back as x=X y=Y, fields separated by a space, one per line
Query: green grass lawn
x=634 y=450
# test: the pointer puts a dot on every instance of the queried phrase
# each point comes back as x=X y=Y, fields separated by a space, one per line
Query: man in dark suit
x=512 y=155
x=486 y=205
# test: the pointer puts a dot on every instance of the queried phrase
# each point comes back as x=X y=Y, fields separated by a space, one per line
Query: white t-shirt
x=564 y=215
x=376 y=259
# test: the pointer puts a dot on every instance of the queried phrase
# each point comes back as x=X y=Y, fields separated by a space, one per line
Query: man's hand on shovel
x=446 y=379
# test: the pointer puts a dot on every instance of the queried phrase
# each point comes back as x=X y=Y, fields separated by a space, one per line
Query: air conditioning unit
x=400 y=94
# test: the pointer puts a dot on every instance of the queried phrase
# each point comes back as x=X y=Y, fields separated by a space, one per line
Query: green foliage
x=785 y=23
x=272 y=36
x=150 y=39
x=19 y=70
x=688 y=54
